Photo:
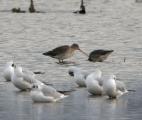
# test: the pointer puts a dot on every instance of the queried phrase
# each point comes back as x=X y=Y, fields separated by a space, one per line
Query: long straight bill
x=84 y=53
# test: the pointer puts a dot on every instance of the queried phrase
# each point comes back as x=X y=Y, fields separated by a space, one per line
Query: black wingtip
x=43 y=53
x=39 y=72
x=132 y=90
x=71 y=73
x=49 y=53
x=46 y=53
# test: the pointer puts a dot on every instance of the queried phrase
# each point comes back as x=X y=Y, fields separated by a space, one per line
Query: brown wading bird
x=63 y=52
x=99 y=55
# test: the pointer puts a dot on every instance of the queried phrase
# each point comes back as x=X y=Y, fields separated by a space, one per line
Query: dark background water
x=108 y=24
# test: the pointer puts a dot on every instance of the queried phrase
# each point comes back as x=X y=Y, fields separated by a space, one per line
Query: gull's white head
x=18 y=70
x=73 y=70
x=112 y=76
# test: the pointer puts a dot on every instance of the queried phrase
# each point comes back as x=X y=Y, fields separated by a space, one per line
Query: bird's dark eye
x=71 y=73
x=13 y=65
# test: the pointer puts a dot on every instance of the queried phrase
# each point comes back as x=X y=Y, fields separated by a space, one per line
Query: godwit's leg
x=59 y=61
x=62 y=61
x=65 y=62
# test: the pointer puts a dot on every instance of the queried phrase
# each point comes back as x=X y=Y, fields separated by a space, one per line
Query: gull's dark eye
x=13 y=65
x=114 y=78
x=71 y=73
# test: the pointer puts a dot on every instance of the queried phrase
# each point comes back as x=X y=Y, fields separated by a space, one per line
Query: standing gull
x=120 y=85
x=63 y=52
x=97 y=75
x=44 y=93
x=112 y=88
x=23 y=79
x=38 y=96
x=99 y=55
x=92 y=83
x=79 y=75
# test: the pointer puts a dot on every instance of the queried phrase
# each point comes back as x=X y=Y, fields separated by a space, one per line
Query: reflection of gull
x=92 y=83
x=79 y=76
x=8 y=71
x=113 y=88
x=43 y=93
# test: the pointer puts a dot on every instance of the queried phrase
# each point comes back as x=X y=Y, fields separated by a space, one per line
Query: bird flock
x=66 y=51
x=95 y=83
x=25 y=80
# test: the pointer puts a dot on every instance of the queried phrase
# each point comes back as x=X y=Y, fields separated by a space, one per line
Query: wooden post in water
x=82 y=7
x=31 y=8
x=82 y=3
